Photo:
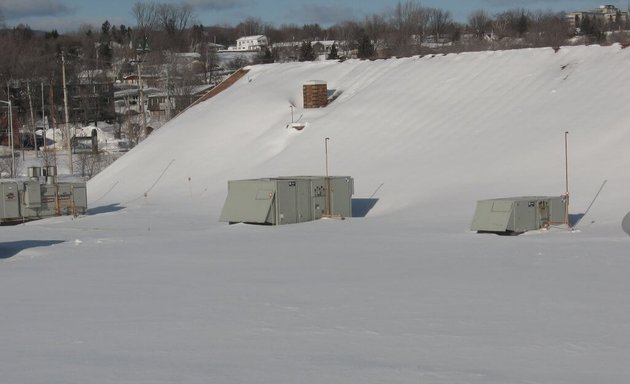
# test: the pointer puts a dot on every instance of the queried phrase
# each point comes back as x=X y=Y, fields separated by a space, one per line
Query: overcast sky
x=65 y=15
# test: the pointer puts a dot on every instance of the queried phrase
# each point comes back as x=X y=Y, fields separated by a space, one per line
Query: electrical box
x=515 y=215
x=287 y=200
x=31 y=199
x=10 y=199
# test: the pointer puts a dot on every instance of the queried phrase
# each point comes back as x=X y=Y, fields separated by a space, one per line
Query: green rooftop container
x=287 y=200
x=515 y=215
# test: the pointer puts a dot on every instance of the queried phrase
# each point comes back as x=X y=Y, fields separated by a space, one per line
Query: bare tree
x=347 y=34
x=146 y=17
x=165 y=24
x=480 y=22
x=6 y=164
x=181 y=85
x=438 y=21
x=49 y=157
x=313 y=32
x=408 y=24
x=89 y=164
x=512 y=23
x=548 y=29
x=174 y=21
x=250 y=26
x=376 y=26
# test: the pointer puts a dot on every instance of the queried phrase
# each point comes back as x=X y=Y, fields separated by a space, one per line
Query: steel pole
x=11 y=139
x=566 y=176
x=44 y=120
x=65 y=104
x=326 y=149
x=328 y=208
x=10 y=115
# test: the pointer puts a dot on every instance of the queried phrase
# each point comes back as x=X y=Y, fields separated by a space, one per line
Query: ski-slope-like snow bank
x=456 y=128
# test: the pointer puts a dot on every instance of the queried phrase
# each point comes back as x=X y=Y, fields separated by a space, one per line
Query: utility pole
x=168 y=95
x=65 y=105
x=140 y=88
x=8 y=103
x=30 y=105
x=44 y=120
x=142 y=48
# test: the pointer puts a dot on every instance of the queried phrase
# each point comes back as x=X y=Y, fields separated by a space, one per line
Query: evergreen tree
x=306 y=51
x=590 y=28
x=366 y=48
x=333 y=55
x=51 y=35
x=266 y=56
x=105 y=52
x=522 y=25
x=105 y=29
x=586 y=27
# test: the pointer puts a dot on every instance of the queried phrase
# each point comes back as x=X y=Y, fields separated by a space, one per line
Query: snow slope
x=150 y=288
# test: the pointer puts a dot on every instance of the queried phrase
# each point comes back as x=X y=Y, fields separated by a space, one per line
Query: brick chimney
x=315 y=94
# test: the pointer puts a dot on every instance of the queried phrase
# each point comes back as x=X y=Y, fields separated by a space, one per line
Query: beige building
x=606 y=14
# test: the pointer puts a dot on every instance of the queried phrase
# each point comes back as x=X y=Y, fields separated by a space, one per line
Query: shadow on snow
x=105 y=209
x=12 y=248
x=361 y=207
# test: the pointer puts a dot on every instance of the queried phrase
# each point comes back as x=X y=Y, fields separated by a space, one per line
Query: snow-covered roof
x=255 y=37
x=151 y=283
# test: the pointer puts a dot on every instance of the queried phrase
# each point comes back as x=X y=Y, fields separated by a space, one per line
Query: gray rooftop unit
x=286 y=200
x=515 y=215
x=31 y=199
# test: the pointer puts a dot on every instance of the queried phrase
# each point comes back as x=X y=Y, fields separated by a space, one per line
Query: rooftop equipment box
x=514 y=215
x=31 y=199
x=287 y=200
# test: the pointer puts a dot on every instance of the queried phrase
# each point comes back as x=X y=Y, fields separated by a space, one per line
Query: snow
x=151 y=288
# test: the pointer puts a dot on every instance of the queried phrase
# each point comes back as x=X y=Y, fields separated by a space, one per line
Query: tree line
x=165 y=27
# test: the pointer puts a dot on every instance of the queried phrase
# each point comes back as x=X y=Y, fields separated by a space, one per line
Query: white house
x=250 y=43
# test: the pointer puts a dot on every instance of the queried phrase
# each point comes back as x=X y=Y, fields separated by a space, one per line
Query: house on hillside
x=148 y=80
x=250 y=43
x=605 y=14
x=163 y=106
x=208 y=47
x=322 y=47
x=290 y=51
x=88 y=101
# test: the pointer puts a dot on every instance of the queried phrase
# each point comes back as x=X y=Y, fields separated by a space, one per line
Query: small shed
x=515 y=215
x=287 y=200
